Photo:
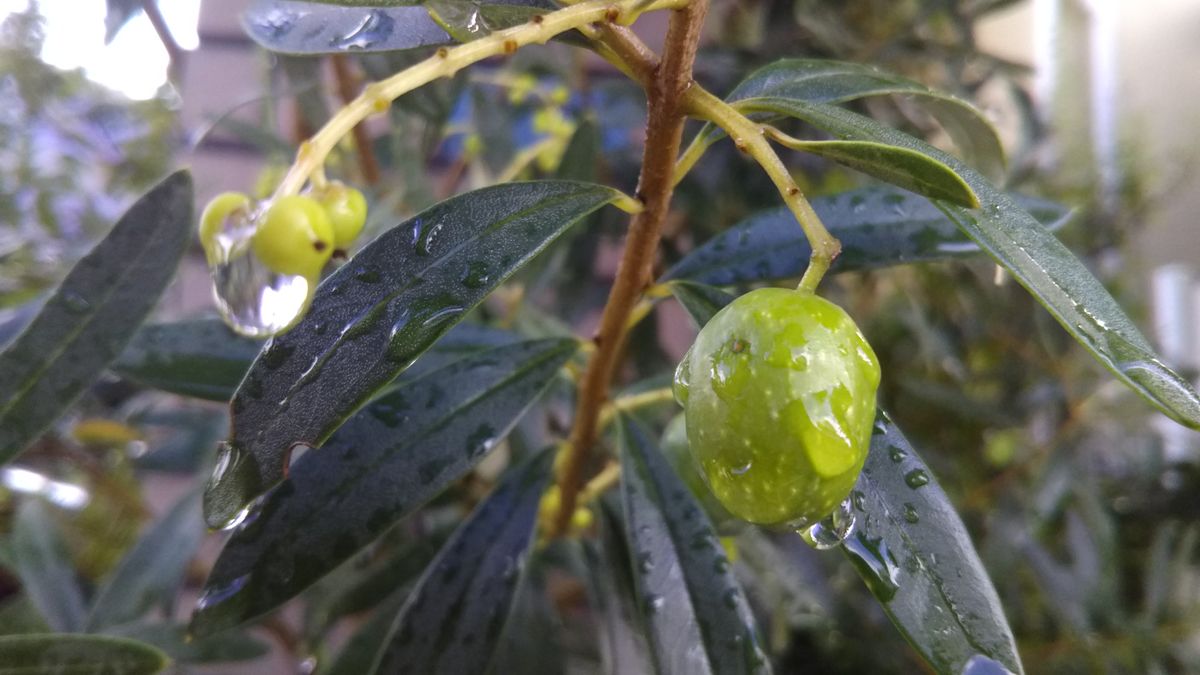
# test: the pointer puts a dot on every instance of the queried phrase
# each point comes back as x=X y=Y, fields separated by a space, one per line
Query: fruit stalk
x=665 y=89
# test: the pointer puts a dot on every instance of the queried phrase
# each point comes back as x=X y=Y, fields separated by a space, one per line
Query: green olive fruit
x=674 y=445
x=214 y=220
x=347 y=210
x=779 y=394
x=294 y=237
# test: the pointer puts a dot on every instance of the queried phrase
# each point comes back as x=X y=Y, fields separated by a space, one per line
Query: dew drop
x=476 y=275
x=682 y=381
x=374 y=28
x=916 y=478
x=896 y=454
x=910 y=514
x=219 y=594
x=75 y=303
x=645 y=563
x=832 y=529
x=873 y=560
x=741 y=469
x=654 y=603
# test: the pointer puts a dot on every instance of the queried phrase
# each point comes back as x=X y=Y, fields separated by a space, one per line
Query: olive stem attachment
x=377 y=97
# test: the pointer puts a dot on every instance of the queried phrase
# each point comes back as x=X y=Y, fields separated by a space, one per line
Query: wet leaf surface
x=77 y=655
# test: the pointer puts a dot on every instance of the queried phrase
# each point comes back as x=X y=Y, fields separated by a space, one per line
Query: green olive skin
x=347 y=210
x=295 y=236
x=779 y=394
x=216 y=213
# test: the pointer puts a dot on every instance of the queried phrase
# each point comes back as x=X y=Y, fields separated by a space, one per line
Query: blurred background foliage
x=1089 y=534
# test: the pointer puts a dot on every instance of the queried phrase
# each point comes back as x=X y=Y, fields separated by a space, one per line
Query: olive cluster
x=293 y=234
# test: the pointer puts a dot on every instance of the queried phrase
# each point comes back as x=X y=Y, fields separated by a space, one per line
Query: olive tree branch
x=666 y=85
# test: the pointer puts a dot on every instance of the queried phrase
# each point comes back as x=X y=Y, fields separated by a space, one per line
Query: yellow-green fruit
x=295 y=236
x=216 y=213
x=779 y=394
x=674 y=445
x=347 y=210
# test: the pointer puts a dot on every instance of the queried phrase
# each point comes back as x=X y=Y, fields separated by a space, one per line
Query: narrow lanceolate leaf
x=204 y=359
x=43 y=564
x=373 y=317
x=60 y=654
x=150 y=574
x=391 y=458
x=201 y=358
x=455 y=617
x=622 y=642
x=700 y=300
x=91 y=316
x=295 y=27
x=878 y=227
x=1059 y=280
x=696 y=615
x=916 y=557
x=822 y=81
x=906 y=168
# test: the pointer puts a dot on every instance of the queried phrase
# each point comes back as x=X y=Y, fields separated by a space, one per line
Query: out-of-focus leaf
x=95 y=311
x=372 y=318
x=399 y=452
x=204 y=359
x=906 y=168
x=201 y=358
x=151 y=572
x=700 y=300
x=456 y=615
x=622 y=642
x=536 y=648
x=1051 y=273
x=915 y=555
x=364 y=646
x=43 y=565
x=826 y=81
x=117 y=14
x=878 y=227
x=696 y=615
x=172 y=639
x=58 y=654
x=18 y=616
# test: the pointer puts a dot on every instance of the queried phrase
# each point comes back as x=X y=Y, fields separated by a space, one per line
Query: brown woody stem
x=665 y=88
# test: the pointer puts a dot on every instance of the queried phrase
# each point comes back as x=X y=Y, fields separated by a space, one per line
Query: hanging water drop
x=916 y=478
x=75 y=303
x=832 y=529
x=374 y=28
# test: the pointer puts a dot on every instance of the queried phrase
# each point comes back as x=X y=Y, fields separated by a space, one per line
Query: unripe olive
x=674 y=445
x=295 y=236
x=347 y=210
x=216 y=214
x=779 y=393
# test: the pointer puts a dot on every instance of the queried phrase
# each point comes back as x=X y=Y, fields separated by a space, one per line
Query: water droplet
x=730 y=598
x=721 y=565
x=873 y=560
x=682 y=380
x=75 y=303
x=276 y=354
x=374 y=28
x=896 y=454
x=832 y=529
x=219 y=594
x=480 y=441
x=645 y=563
x=476 y=275
x=859 y=499
x=741 y=470
x=654 y=603
x=910 y=514
x=276 y=23
x=979 y=664
x=916 y=478
x=424 y=235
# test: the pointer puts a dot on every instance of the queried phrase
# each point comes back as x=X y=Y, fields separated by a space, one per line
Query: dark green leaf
x=878 y=227
x=622 y=642
x=360 y=652
x=43 y=564
x=204 y=359
x=172 y=639
x=696 y=615
x=59 y=654
x=150 y=574
x=701 y=301
x=905 y=168
x=823 y=81
x=916 y=557
x=373 y=317
x=95 y=311
x=1035 y=258
x=392 y=457
x=456 y=615
x=295 y=27
x=201 y=358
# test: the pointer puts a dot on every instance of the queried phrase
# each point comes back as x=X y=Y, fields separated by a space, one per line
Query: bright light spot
x=32 y=483
x=135 y=63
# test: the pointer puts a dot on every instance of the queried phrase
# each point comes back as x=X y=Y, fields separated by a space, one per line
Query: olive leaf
x=688 y=594
x=42 y=562
x=77 y=655
x=94 y=312
x=878 y=226
x=456 y=615
x=912 y=550
x=1036 y=259
x=392 y=457
x=372 y=318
